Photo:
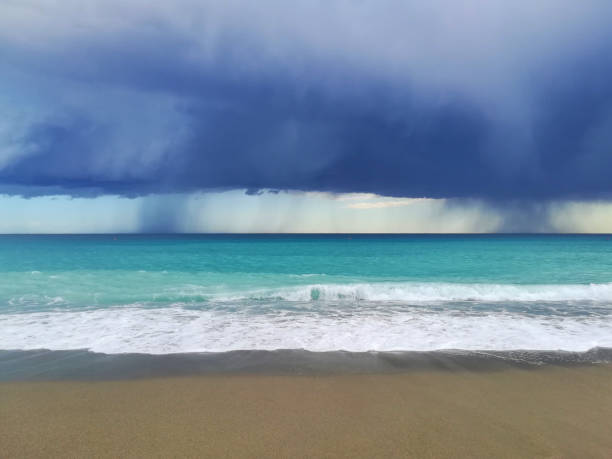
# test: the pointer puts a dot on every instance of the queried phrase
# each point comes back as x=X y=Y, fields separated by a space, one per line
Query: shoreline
x=555 y=411
x=47 y=365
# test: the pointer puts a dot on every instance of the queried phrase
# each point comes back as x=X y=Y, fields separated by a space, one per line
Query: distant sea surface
x=162 y=294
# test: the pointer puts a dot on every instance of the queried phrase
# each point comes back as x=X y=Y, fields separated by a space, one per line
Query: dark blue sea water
x=182 y=293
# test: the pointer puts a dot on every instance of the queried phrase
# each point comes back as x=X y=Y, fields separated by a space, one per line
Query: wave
x=413 y=292
x=356 y=317
x=178 y=329
x=33 y=300
x=315 y=294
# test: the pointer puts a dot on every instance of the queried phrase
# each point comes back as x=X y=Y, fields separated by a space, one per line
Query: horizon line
x=144 y=233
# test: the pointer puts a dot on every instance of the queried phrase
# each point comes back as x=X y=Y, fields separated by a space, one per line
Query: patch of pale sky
x=294 y=212
x=398 y=202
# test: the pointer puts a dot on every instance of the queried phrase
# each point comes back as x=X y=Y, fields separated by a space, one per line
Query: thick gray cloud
x=493 y=100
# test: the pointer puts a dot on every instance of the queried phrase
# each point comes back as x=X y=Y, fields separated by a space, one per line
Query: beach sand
x=546 y=412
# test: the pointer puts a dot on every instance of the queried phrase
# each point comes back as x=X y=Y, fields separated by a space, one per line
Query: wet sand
x=546 y=412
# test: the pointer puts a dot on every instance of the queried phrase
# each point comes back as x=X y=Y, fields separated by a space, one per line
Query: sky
x=305 y=116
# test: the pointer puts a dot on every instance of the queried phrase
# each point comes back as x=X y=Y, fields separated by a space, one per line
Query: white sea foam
x=414 y=292
x=178 y=329
x=351 y=293
x=36 y=300
x=325 y=317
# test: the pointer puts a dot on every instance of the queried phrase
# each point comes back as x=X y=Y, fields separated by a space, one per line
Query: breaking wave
x=412 y=292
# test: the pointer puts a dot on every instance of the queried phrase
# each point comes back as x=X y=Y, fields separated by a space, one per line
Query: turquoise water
x=158 y=294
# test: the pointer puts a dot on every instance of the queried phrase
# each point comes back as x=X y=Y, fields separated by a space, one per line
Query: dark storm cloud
x=477 y=101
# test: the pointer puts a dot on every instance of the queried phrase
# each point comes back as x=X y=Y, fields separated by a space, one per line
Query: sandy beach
x=546 y=412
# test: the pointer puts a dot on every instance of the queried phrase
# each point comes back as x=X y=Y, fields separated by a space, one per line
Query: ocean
x=166 y=294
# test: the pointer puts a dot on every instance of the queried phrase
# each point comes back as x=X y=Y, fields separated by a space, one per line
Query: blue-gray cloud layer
x=494 y=100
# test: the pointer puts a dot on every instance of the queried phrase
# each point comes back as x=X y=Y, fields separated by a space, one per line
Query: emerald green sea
x=209 y=293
